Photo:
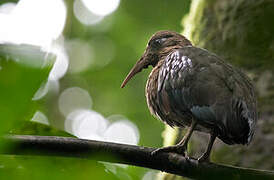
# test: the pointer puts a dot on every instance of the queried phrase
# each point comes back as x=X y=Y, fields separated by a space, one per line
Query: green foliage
x=44 y=168
x=129 y=29
x=23 y=69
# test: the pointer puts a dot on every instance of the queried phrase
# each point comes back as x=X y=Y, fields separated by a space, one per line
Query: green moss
x=240 y=31
x=191 y=21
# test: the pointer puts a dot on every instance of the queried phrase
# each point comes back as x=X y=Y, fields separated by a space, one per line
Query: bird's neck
x=153 y=76
x=166 y=51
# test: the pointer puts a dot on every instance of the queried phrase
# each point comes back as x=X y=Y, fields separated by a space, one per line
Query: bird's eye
x=158 y=42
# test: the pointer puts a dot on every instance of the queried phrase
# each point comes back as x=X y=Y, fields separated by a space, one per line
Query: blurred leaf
x=22 y=70
x=55 y=168
x=34 y=128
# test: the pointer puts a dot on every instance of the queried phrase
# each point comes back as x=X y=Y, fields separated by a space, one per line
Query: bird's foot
x=179 y=149
x=204 y=158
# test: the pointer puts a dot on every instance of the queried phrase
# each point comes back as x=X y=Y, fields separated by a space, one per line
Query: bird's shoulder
x=190 y=64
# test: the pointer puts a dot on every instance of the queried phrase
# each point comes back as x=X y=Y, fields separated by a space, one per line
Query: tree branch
x=126 y=154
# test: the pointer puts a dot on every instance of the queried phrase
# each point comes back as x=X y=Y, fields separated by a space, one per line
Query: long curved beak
x=136 y=68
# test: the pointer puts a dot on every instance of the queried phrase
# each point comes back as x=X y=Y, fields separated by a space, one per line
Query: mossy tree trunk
x=242 y=32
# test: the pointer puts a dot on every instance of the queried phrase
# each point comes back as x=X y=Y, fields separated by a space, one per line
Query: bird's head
x=159 y=45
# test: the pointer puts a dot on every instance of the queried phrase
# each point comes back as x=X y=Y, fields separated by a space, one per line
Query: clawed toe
x=175 y=149
x=187 y=157
x=203 y=158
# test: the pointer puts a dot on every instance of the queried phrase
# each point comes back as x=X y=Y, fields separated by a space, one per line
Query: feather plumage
x=193 y=83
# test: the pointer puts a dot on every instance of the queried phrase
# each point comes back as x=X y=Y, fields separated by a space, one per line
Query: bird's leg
x=206 y=156
x=181 y=147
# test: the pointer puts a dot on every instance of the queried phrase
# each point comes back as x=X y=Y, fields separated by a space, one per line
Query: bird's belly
x=165 y=108
x=171 y=116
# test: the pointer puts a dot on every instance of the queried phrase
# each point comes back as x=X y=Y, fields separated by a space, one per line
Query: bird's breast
x=161 y=108
x=151 y=91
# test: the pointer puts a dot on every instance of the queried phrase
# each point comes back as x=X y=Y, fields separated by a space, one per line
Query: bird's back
x=192 y=82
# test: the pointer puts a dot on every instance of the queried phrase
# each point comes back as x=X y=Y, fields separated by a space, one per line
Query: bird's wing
x=197 y=81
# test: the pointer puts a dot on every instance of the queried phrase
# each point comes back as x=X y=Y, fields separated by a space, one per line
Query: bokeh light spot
x=104 y=50
x=84 y=15
x=7 y=8
x=102 y=7
x=80 y=55
x=61 y=64
x=86 y=124
x=71 y=117
x=72 y=99
x=122 y=132
x=31 y=23
x=90 y=123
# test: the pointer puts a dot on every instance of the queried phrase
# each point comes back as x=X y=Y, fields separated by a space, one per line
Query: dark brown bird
x=192 y=87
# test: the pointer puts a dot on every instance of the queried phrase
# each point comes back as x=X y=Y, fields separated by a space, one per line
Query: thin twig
x=126 y=154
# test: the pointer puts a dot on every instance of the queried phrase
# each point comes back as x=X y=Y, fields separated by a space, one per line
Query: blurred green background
x=84 y=85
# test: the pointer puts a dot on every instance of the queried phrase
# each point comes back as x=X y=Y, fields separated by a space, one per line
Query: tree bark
x=241 y=32
x=126 y=154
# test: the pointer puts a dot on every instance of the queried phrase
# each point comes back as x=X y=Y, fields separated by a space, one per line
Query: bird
x=191 y=87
